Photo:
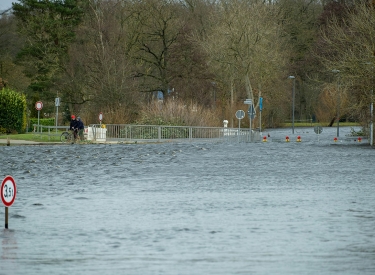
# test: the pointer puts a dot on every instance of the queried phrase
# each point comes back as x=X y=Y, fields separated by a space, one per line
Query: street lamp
x=371 y=112
x=371 y=106
x=293 y=95
x=338 y=100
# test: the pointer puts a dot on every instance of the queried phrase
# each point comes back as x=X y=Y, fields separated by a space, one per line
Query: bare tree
x=350 y=41
x=98 y=76
x=158 y=25
x=246 y=44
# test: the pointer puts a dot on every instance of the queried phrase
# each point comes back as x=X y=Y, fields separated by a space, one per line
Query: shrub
x=12 y=111
x=42 y=121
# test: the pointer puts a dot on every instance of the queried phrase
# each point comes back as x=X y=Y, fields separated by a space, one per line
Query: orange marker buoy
x=287 y=139
x=264 y=139
x=299 y=139
x=335 y=139
x=359 y=139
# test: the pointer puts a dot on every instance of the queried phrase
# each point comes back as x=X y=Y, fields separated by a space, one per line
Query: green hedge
x=12 y=111
x=42 y=121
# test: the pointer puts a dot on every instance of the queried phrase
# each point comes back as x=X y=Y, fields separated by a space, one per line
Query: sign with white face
x=57 y=101
x=100 y=116
x=8 y=191
x=318 y=129
x=240 y=114
x=39 y=105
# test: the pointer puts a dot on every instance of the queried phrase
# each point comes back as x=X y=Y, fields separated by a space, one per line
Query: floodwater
x=192 y=208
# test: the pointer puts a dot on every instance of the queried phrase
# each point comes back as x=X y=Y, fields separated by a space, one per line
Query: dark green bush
x=12 y=111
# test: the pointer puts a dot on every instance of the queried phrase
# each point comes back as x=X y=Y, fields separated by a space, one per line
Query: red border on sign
x=7 y=204
x=41 y=105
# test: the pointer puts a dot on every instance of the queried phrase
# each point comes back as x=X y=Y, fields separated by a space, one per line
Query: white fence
x=155 y=133
x=130 y=132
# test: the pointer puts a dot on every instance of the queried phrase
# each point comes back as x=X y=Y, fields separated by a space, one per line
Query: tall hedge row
x=12 y=111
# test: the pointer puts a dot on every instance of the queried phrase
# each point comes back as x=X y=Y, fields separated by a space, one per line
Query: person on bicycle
x=80 y=127
x=74 y=126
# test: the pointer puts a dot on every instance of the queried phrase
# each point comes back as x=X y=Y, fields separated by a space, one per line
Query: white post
x=225 y=122
x=372 y=114
x=38 y=122
x=57 y=116
x=251 y=136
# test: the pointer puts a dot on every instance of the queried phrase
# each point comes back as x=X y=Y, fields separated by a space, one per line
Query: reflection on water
x=9 y=248
x=191 y=208
x=8 y=245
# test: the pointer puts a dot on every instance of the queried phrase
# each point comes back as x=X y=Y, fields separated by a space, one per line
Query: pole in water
x=6 y=217
x=8 y=193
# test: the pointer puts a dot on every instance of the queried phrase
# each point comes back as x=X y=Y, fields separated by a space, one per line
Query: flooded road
x=192 y=208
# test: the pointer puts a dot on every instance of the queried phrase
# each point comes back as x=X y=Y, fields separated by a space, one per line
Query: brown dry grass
x=174 y=112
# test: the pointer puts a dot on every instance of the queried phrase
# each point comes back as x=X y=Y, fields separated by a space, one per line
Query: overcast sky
x=6 y=4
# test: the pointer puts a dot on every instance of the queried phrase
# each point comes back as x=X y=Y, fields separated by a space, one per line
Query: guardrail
x=131 y=132
x=154 y=133
x=49 y=131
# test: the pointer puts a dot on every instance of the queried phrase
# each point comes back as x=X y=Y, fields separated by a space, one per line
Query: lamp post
x=371 y=119
x=338 y=100
x=372 y=110
x=371 y=105
x=293 y=95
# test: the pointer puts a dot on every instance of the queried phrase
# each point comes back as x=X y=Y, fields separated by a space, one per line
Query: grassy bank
x=32 y=137
x=323 y=124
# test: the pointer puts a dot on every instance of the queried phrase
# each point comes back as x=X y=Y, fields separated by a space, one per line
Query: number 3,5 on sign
x=8 y=191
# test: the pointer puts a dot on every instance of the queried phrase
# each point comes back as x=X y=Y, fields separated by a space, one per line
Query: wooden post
x=6 y=217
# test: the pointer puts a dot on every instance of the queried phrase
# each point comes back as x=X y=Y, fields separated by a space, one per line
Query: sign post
x=8 y=194
x=38 y=106
x=318 y=130
x=251 y=113
x=57 y=104
x=240 y=114
x=100 y=118
x=260 y=114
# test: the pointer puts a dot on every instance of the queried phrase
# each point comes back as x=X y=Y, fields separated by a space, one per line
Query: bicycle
x=69 y=136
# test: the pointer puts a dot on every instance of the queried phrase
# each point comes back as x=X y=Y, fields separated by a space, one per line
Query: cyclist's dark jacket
x=73 y=124
x=80 y=125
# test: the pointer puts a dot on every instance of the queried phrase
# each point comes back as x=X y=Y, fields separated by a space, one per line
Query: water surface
x=192 y=208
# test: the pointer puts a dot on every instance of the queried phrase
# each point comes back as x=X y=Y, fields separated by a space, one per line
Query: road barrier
x=159 y=133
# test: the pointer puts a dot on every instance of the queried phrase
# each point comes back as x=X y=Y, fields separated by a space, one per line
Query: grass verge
x=324 y=124
x=33 y=137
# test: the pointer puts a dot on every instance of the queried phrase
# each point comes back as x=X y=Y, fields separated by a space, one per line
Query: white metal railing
x=49 y=131
x=130 y=132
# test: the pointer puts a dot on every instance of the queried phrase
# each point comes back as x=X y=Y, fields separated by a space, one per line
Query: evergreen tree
x=49 y=28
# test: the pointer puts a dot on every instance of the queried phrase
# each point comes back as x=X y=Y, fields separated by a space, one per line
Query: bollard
x=287 y=139
x=335 y=139
x=264 y=139
x=8 y=141
x=299 y=139
x=225 y=122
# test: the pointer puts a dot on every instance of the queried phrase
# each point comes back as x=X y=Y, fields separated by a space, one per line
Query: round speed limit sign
x=39 y=105
x=8 y=191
